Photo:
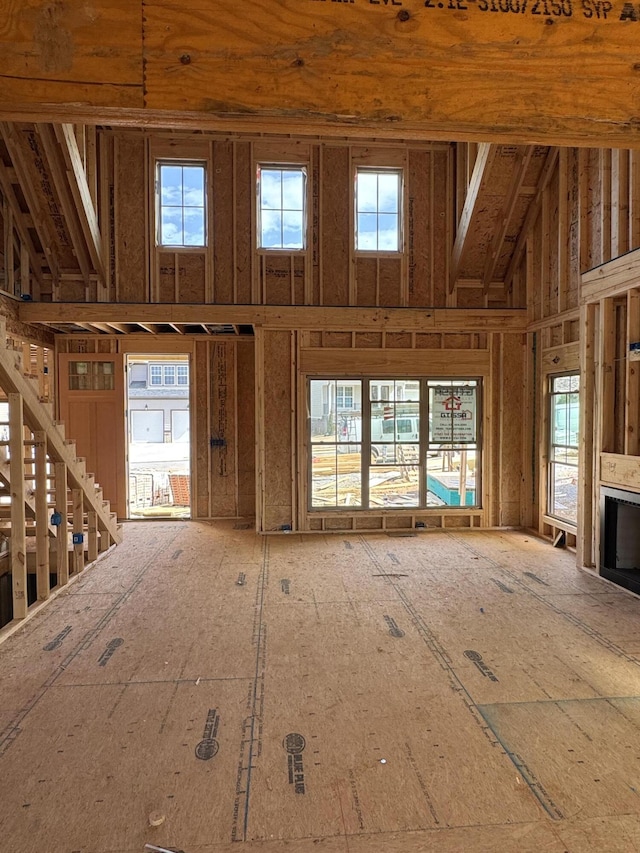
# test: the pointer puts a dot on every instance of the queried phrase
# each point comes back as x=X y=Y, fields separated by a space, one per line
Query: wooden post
x=18 y=521
x=78 y=528
x=42 y=516
x=463 y=478
x=92 y=536
x=607 y=394
x=632 y=431
x=586 y=511
x=62 y=559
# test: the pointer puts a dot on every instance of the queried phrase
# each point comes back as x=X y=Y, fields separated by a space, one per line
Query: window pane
x=292 y=229
x=282 y=208
x=367 y=231
x=324 y=471
x=349 y=476
x=563 y=450
x=193 y=186
x=194 y=226
x=271 y=229
x=451 y=473
x=367 y=192
x=394 y=485
x=388 y=232
x=171 y=185
x=181 y=205
x=293 y=190
x=564 y=491
x=388 y=185
x=169 y=374
x=453 y=414
x=171 y=226
x=336 y=478
x=271 y=189
x=400 y=471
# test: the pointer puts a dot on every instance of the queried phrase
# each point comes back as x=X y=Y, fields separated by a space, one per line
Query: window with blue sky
x=378 y=207
x=281 y=207
x=181 y=204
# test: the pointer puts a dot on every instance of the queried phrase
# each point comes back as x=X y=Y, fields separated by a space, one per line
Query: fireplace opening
x=620 y=537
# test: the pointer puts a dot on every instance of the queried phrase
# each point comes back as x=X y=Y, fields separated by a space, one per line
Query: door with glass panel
x=92 y=408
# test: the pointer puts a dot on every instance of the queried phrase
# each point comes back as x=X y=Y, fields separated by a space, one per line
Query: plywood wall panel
x=130 y=219
x=168 y=271
x=299 y=275
x=574 y=225
x=223 y=219
x=555 y=238
x=335 y=237
x=510 y=446
x=246 y=427
x=276 y=275
x=441 y=236
x=223 y=428
x=470 y=297
x=366 y=281
x=278 y=450
x=390 y=282
x=72 y=290
x=192 y=277
x=315 y=225
x=419 y=226
x=244 y=240
x=200 y=495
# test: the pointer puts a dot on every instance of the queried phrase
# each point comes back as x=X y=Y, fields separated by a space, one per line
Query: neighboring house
x=158 y=400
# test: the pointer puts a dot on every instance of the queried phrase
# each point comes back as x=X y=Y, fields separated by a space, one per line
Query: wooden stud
x=62 y=533
x=587 y=482
x=78 y=529
x=18 y=518
x=42 y=516
x=632 y=396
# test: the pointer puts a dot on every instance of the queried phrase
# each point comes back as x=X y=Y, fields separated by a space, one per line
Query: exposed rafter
x=79 y=186
x=523 y=158
x=63 y=191
x=21 y=223
x=40 y=220
x=485 y=157
x=532 y=212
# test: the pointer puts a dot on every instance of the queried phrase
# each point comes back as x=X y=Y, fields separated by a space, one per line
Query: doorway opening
x=158 y=439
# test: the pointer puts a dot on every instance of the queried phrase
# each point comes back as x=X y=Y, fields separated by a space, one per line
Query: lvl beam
x=561 y=72
x=277 y=316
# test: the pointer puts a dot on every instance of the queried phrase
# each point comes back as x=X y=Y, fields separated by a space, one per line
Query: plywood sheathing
x=131 y=246
x=447 y=691
x=276 y=438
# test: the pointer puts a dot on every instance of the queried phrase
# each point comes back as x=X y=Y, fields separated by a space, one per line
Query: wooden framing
x=375 y=62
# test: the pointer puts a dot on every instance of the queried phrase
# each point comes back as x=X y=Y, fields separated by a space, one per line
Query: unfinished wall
x=285 y=361
x=232 y=270
x=587 y=214
x=222 y=413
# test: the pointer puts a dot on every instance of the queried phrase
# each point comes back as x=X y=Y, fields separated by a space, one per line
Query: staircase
x=52 y=513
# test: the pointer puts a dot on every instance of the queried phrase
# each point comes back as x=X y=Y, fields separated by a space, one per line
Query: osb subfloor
x=453 y=692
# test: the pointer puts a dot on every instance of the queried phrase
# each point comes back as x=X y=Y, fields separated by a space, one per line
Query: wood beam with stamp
x=561 y=72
